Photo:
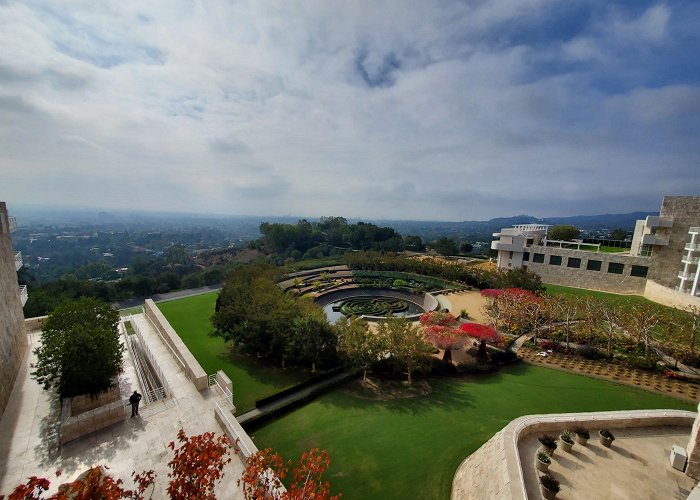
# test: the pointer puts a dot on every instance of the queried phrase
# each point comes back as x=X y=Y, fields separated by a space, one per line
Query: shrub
x=549 y=483
x=583 y=432
x=463 y=314
x=641 y=363
x=548 y=441
x=504 y=357
x=607 y=434
x=567 y=437
x=589 y=352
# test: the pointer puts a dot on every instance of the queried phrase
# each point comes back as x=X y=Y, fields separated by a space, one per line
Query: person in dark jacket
x=134 y=402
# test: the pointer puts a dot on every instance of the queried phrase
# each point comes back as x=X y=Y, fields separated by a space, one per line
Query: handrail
x=150 y=356
x=153 y=390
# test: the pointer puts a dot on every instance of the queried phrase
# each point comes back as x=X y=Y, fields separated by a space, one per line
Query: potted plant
x=582 y=435
x=567 y=440
x=606 y=437
x=549 y=444
x=549 y=486
x=543 y=461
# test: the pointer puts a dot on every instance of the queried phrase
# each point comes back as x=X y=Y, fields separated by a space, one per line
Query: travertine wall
x=585 y=278
x=669 y=296
x=13 y=339
x=685 y=211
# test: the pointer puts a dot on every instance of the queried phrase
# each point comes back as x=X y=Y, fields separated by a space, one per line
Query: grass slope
x=612 y=298
x=251 y=379
x=411 y=448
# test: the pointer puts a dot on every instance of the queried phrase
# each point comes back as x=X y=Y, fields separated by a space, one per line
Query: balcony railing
x=13 y=223
x=653 y=239
x=508 y=247
x=695 y=230
x=692 y=247
x=686 y=276
x=18 y=261
x=690 y=260
x=23 y=295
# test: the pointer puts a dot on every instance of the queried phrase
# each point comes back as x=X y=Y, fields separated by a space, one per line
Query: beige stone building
x=13 y=338
x=662 y=263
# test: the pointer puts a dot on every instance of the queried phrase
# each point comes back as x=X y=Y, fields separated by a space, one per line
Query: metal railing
x=686 y=276
x=23 y=294
x=226 y=394
x=151 y=378
x=692 y=246
x=18 y=261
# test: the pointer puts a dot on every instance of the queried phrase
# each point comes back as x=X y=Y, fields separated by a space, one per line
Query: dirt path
x=473 y=302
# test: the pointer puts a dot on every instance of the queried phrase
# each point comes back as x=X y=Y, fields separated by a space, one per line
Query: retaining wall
x=78 y=425
x=668 y=296
x=193 y=369
x=35 y=323
x=495 y=470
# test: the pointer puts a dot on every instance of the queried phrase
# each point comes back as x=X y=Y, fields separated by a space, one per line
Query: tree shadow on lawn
x=447 y=394
x=262 y=370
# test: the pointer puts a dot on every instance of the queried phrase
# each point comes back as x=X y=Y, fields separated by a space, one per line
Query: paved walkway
x=163 y=297
x=636 y=466
x=29 y=439
x=290 y=398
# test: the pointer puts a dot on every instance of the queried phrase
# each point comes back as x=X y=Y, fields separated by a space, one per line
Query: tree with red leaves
x=439 y=328
x=196 y=468
x=198 y=465
x=265 y=470
x=483 y=333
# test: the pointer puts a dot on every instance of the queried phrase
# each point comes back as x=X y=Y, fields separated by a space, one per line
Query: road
x=162 y=297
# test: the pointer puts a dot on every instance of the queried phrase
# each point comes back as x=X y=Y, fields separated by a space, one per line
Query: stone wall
x=75 y=426
x=495 y=470
x=13 y=337
x=584 y=278
x=193 y=369
x=685 y=211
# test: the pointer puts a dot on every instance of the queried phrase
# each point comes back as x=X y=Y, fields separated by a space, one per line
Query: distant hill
x=483 y=230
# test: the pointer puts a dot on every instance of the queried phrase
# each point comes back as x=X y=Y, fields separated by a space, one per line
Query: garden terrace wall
x=495 y=469
x=425 y=300
x=193 y=369
x=669 y=296
x=35 y=323
x=104 y=410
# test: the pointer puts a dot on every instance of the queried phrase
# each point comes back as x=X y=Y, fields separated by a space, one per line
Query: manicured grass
x=612 y=298
x=251 y=379
x=411 y=448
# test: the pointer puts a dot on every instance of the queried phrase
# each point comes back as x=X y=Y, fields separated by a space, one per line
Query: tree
x=567 y=311
x=483 y=333
x=612 y=314
x=445 y=246
x=80 y=351
x=197 y=466
x=563 y=232
x=254 y=313
x=642 y=318
x=466 y=247
x=414 y=243
x=618 y=234
x=312 y=339
x=440 y=329
x=265 y=470
x=405 y=344
x=522 y=278
x=358 y=344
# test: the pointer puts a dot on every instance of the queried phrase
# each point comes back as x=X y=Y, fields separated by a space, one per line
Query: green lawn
x=251 y=379
x=411 y=448
x=613 y=298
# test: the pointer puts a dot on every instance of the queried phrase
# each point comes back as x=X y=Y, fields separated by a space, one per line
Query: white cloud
x=373 y=109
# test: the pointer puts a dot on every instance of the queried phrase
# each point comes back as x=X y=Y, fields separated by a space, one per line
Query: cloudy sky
x=405 y=109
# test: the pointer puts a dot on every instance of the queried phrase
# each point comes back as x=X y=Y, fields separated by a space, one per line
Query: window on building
x=594 y=265
x=538 y=257
x=639 y=271
x=573 y=262
x=615 y=268
x=645 y=251
x=555 y=260
x=526 y=256
x=529 y=241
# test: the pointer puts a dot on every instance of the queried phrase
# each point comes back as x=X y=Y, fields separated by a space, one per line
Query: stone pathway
x=650 y=381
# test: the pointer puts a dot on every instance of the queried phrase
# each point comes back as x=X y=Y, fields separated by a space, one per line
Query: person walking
x=134 y=402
